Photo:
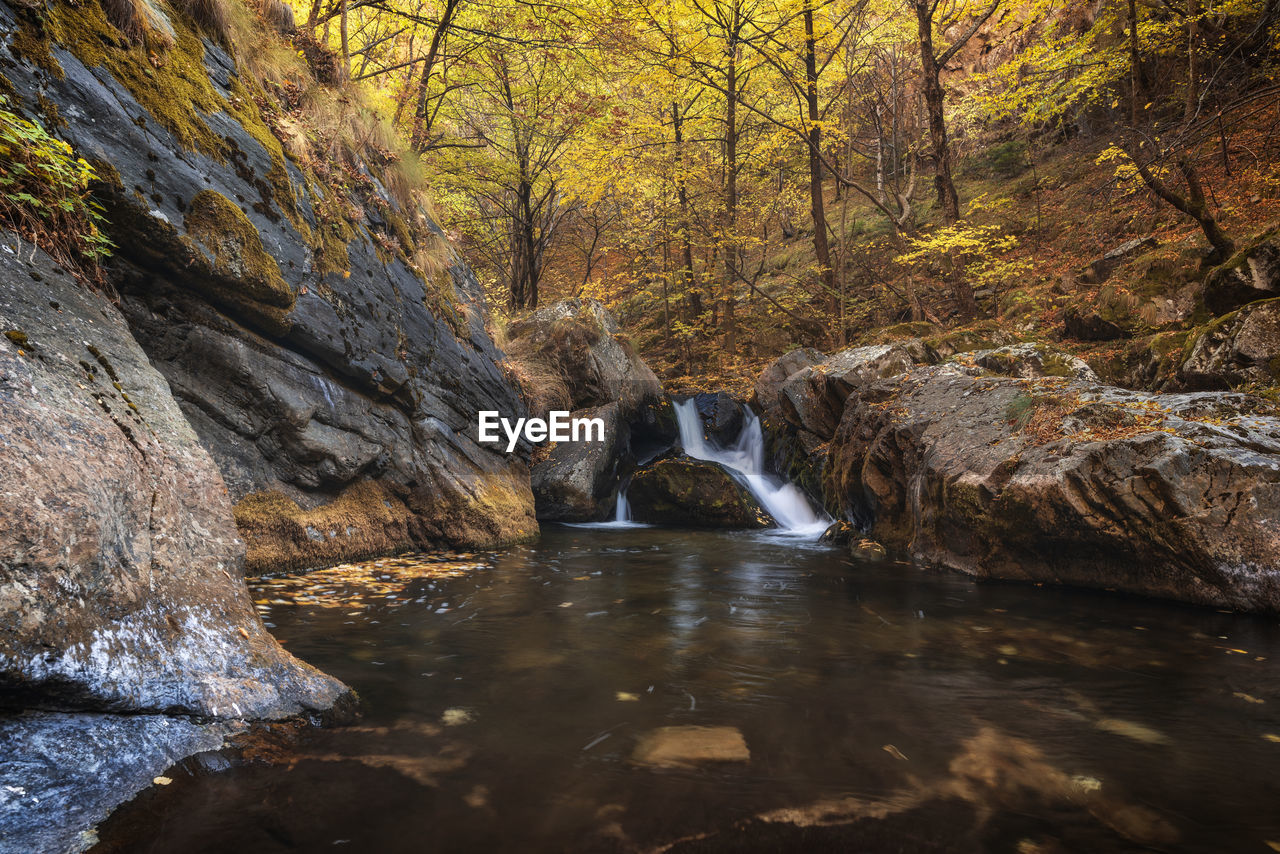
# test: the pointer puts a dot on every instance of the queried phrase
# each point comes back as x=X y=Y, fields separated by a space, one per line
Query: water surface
x=512 y=702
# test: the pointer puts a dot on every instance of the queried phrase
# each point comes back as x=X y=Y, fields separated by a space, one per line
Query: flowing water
x=524 y=701
x=744 y=459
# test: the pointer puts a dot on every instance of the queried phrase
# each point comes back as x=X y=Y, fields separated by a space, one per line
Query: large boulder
x=1251 y=274
x=1061 y=481
x=692 y=493
x=577 y=479
x=580 y=340
x=1090 y=324
x=722 y=416
x=120 y=583
x=316 y=336
x=767 y=397
x=576 y=348
x=1238 y=349
x=813 y=397
x=1101 y=268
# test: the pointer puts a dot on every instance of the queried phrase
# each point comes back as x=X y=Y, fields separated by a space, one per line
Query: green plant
x=44 y=194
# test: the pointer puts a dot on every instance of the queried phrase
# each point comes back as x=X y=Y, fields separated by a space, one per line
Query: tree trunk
x=730 y=201
x=1193 y=205
x=346 y=44
x=422 y=113
x=693 y=296
x=948 y=201
x=1193 y=70
x=817 y=204
x=1135 y=65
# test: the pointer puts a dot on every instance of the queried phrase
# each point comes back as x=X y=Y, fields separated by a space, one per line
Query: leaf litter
x=361 y=585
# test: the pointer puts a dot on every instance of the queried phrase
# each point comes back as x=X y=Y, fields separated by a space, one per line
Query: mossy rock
x=692 y=493
x=227 y=234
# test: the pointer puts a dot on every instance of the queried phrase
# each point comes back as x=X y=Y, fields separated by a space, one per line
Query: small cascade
x=744 y=459
x=622 y=510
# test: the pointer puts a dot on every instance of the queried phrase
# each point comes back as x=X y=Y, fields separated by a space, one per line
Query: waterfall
x=745 y=461
x=622 y=510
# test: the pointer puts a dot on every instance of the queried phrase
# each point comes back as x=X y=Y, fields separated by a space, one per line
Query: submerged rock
x=62 y=774
x=683 y=746
x=120 y=567
x=692 y=493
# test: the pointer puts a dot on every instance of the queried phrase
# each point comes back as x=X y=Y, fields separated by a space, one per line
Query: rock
x=1060 y=481
x=580 y=340
x=1032 y=361
x=1086 y=324
x=868 y=550
x=692 y=493
x=813 y=397
x=1101 y=269
x=722 y=417
x=62 y=774
x=685 y=746
x=768 y=388
x=1251 y=274
x=1240 y=348
x=576 y=482
x=318 y=366
x=120 y=567
x=838 y=533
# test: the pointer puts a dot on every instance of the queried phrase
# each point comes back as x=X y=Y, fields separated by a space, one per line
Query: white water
x=745 y=461
x=622 y=510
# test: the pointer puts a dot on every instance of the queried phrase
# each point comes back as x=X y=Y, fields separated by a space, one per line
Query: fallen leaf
x=162 y=781
x=625 y=697
x=895 y=752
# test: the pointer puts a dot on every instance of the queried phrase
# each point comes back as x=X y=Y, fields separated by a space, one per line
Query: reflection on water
x=644 y=689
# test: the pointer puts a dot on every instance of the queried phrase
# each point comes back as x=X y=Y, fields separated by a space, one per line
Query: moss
x=175 y=90
x=18 y=337
x=31 y=43
x=225 y=231
x=365 y=520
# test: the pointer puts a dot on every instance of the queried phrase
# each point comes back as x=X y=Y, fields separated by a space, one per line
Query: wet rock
x=1086 y=324
x=684 y=746
x=1032 y=361
x=1240 y=348
x=120 y=567
x=768 y=388
x=310 y=359
x=576 y=347
x=721 y=415
x=575 y=483
x=1061 y=481
x=692 y=493
x=62 y=774
x=1251 y=274
x=838 y=533
x=1101 y=268
x=813 y=397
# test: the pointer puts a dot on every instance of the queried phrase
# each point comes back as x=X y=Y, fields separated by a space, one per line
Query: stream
x=538 y=699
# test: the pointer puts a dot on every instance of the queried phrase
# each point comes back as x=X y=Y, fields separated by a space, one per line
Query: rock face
x=1091 y=325
x=1060 y=481
x=120 y=567
x=692 y=493
x=1251 y=274
x=1242 y=347
x=722 y=416
x=768 y=390
x=315 y=352
x=1032 y=361
x=576 y=347
x=62 y=774
x=576 y=480
x=813 y=397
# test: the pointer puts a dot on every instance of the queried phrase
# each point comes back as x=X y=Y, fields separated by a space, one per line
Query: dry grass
x=212 y=16
x=541 y=383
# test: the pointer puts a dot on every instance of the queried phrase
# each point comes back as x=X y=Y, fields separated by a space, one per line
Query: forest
x=736 y=178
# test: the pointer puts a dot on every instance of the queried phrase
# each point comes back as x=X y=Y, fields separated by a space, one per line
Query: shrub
x=44 y=195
